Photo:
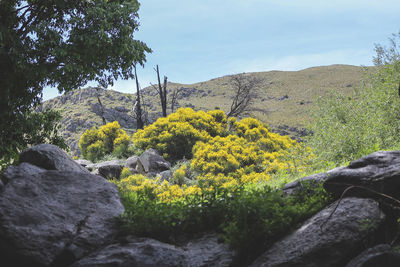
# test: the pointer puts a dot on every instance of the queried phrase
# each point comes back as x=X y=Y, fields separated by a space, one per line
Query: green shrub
x=349 y=127
x=249 y=218
x=95 y=143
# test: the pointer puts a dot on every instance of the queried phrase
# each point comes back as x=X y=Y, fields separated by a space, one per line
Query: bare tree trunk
x=162 y=91
x=138 y=107
x=174 y=97
x=102 y=108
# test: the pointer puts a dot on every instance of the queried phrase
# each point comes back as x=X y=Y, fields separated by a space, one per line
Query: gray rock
x=148 y=252
x=165 y=175
x=55 y=218
x=301 y=183
x=83 y=162
x=107 y=169
x=207 y=251
x=381 y=255
x=22 y=169
x=151 y=161
x=50 y=157
x=140 y=252
x=131 y=162
x=379 y=171
x=323 y=242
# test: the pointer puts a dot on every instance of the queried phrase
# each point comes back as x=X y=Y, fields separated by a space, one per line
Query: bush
x=250 y=218
x=175 y=135
x=95 y=143
x=349 y=127
x=252 y=155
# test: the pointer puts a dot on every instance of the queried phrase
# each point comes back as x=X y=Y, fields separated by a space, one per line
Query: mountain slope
x=284 y=99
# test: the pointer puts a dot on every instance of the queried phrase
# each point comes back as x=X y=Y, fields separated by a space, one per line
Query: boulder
x=50 y=157
x=54 y=218
x=140 y=252
x=205 y=251
x=151 y=161
x=304 y=182
x=327 y=241
x=379 y=171
x=108 y=169
x=381 y=255
x=83 y=162
x=22 y=169
x=131 y=162
x=165 y=175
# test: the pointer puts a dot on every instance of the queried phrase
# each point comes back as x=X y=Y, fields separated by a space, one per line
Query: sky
x=198 y=40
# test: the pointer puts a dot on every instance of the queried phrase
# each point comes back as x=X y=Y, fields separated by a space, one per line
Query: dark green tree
x=62 y=44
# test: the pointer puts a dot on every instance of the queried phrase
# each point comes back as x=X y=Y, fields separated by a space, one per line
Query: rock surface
x=379 y=171
x=151 y=161
x=50 y=157
x=83 y=162
x=323 y=242
x=131 y=162
x=302 y=183
x=205 y=251
x=107 y=169
x=20 y=170
x=141 y=252
x=381 y=255
x=53 y=218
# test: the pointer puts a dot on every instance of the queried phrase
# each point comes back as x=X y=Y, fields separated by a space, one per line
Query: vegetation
x=175 y=135
x=221 y=182
x=62 y=44
x=350 y=126
x=38 y=128
x=96 y=143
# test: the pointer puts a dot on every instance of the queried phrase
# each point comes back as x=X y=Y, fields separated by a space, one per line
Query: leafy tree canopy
x=62 y=44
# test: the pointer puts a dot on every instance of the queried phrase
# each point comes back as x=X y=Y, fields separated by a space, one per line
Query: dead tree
x=162 y=91
x=244 y=87
x=174 y=97
x=137 y=108
x=101 y=107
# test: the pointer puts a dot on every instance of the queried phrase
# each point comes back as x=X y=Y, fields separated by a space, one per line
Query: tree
x=162 y=91
x=174 y=98
x=243 y=86
x=61 y=44
x=137 y=109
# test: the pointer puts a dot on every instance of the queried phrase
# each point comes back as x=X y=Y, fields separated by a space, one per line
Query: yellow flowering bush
x=154 y=189
x=95 y=143
x=175 y=135
x=249 y=156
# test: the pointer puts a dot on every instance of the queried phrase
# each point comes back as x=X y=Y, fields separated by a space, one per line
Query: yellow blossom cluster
x=251 y=154
x=109 y=138
x=175 y=135
x=154 y=189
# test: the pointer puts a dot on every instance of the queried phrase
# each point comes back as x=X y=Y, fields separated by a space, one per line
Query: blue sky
x=197 y=40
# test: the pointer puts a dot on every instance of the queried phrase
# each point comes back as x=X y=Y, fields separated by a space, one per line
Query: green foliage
x=348 y=127
x=175 y=135
x=35 y=128
x=249 y=218
x=96 y=143
x=125 y=173
x=61 y=44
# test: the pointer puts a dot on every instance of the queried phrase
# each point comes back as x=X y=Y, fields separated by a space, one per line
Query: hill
x=284 y=99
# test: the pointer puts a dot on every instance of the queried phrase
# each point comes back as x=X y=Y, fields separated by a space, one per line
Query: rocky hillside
x=284 y=99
